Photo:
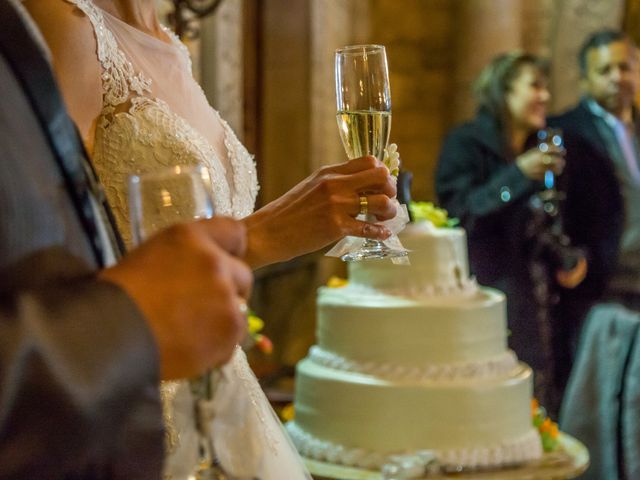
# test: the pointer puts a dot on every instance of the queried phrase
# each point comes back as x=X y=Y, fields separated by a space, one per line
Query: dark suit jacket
x=78 y=366
x=488 y=193
x=594 y=209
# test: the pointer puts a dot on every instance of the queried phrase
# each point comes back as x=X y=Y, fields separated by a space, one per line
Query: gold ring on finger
x=364 y=205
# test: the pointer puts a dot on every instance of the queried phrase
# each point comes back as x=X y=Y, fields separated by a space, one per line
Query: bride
x=127 y=83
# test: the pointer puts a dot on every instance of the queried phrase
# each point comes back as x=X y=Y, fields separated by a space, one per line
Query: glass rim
x=135 y=178
x=357 y=49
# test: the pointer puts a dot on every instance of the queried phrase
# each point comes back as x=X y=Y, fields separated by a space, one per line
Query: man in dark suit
x=602 y=181
x=83 y=347
x=602 y=175
x=602 y=213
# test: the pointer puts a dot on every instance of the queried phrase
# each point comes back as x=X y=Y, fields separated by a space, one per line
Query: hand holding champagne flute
x=158 y=200
x=550 y=143
x=364 y=120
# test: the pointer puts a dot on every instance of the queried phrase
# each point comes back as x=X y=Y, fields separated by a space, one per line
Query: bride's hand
x=320 y=210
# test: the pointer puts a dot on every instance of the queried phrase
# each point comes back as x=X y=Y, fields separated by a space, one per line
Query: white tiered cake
x=413 y=358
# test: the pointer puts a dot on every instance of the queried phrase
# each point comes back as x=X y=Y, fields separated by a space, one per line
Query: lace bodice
x=140 y=131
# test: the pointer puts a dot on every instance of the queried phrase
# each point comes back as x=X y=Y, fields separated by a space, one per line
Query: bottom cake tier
x=359 y=420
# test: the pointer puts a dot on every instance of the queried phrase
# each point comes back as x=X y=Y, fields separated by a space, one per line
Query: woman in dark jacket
x=488 y=170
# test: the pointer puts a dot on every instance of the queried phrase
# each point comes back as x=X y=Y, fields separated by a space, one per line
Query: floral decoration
x=287 y=413
x=391 y=159
x=548 y=429
x=427 y=211
x=255 y=326
x=337 y=282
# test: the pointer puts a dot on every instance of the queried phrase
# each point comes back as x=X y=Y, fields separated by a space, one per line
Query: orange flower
x=534 y=406
x=546 y=426
x=264 y=344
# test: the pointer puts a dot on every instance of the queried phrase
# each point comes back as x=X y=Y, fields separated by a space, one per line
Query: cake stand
x=568 y=461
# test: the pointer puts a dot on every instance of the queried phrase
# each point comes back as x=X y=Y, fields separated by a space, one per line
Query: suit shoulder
x=576 y=115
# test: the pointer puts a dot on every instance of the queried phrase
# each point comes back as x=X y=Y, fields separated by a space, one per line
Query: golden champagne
x=364 y=132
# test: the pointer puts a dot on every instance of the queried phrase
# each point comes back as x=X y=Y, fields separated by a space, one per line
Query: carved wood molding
x=186 y=13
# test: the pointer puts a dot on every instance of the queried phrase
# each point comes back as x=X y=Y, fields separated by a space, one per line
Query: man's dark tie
x=36 y=77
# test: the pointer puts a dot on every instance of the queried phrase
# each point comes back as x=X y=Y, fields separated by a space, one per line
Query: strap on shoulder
x=119 y=79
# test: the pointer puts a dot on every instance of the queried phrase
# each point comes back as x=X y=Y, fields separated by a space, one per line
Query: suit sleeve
x=78 y=375
x=591 y=211
x=468 y=187
x=78 y=366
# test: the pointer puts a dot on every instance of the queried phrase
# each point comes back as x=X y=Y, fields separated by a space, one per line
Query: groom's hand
x=191 y=287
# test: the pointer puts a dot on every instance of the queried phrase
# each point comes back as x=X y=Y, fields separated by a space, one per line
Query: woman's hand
x=533 y=163
x=320 y=210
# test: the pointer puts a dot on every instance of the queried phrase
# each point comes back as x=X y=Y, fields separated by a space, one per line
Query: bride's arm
x=320 y=210
x=70 y=38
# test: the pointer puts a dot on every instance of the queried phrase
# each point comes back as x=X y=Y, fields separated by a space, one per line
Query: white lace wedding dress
x=155 y=115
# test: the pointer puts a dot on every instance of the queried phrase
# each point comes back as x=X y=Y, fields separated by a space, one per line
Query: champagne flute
x=363 y=102
x=158 y=200
x=166 y=197
x=550 y=142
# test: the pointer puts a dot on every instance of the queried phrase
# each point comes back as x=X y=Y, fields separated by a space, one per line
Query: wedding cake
x=414 y=358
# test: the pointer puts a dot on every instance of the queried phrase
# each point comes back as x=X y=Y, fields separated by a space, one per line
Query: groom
x=82 y=348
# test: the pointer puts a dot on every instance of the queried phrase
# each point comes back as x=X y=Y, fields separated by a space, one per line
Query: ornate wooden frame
x=186 y=13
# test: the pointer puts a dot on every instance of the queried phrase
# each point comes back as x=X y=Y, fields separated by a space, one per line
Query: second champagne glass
x=158 y=200
x=166 y=197
x=550 y=142
x=363 y=101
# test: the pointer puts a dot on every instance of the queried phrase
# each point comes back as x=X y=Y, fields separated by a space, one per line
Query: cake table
x=570 y=460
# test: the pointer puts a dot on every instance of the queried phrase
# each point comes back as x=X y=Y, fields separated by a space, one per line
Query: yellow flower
x=337 y=282
x=287 y=413
x=255 y=323
x=423 y=211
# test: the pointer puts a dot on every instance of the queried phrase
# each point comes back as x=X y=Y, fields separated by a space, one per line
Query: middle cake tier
x=357 y=326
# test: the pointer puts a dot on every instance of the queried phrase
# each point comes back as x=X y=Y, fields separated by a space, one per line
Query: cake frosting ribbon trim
x=493 y=367
x=525 y=448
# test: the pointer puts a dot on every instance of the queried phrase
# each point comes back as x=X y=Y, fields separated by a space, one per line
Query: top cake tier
x=439 y=264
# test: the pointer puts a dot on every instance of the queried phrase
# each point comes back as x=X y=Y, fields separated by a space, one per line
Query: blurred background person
x=488 y=172
x=602 y=214
x=602 y=180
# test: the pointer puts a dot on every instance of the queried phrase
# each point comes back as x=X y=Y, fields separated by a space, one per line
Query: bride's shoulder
x=66 y=29
x=70 y=37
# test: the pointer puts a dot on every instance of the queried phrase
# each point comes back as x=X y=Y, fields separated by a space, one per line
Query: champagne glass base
x=373 y=249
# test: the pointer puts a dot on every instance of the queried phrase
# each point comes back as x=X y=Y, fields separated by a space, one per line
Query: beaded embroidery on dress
x=139 y=131
x=155 y=115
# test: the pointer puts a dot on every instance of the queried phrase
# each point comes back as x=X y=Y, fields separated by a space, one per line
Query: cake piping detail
x=519 y=450
x=493 y=367
x=464 y=287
